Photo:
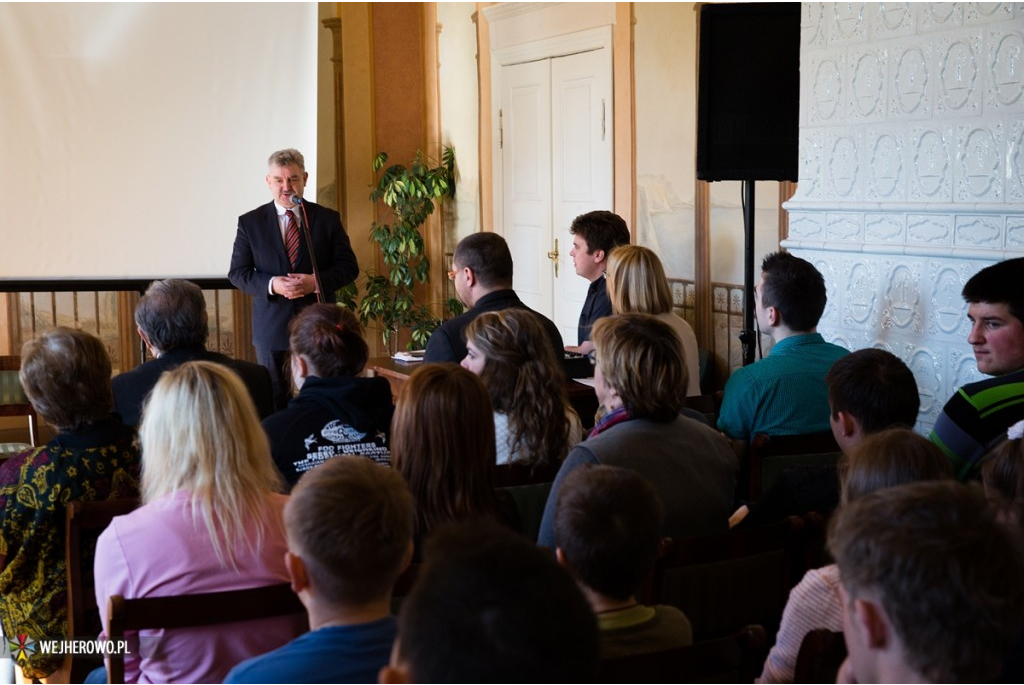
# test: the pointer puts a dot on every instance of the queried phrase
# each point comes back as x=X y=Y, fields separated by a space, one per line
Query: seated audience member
x=637 y=284
x=349 y=530
x=66 y=375
x=533 y=421
x=594 y=236
x=172 y=320
x=482 y=273
x=640 y=369
x=489 y=606
x=335 y=412
x=932 y=586
x=882 y=460
x=868 y=391
x=975 y=418
x=784 y=393
x=608 y=523
x=210 y=521
x=1002 y=475
x=442 y=442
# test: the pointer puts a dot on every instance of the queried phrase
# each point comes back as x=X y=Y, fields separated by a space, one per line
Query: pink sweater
x=814 y=603
x=157 y=551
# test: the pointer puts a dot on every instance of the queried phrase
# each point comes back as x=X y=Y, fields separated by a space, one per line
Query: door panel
x=526 y=175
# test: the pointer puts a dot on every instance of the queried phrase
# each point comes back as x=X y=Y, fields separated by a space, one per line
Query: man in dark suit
x=482 y=272
x=270 y=261
x=172 y=320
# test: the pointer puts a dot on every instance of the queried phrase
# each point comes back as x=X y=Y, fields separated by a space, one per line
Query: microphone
x=296 y=199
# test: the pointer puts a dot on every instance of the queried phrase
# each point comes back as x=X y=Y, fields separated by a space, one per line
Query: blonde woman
x=211 y=520
x=637 y=284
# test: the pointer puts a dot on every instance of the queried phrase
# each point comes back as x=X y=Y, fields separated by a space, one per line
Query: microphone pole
x=297 y=200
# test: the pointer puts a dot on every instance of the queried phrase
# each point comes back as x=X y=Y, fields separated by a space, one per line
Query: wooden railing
x=106 y=307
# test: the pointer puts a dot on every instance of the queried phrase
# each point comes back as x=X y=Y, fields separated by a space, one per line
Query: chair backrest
x=13 y=401
x=735 y=658
x=84 y=521
x=726 y=581
x=768 y=456
x=821 y=654
x=189 y=611
x=529 y=488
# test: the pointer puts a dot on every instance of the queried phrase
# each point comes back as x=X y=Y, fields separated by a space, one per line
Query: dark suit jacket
x=131 y=387
x=259 y=255
x=448 y=343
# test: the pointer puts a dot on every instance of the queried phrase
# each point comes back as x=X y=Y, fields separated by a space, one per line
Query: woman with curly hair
x=533 y=421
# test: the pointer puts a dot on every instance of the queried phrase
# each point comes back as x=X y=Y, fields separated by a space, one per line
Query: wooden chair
x=529 y=488
x=12 y=397
x=191 y=611
x=84 y=521
x=726 y=581
x=768 y=456
x=735 y=658
x=821 y=654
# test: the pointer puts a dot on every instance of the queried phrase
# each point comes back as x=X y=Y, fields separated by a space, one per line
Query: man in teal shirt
x=784 y=393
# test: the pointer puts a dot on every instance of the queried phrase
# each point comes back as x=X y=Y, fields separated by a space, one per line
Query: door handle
x=553 y=256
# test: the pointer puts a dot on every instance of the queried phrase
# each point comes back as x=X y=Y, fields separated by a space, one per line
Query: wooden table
x=582 y=397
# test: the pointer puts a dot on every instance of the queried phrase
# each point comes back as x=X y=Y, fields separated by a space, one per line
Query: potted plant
x=412 y=193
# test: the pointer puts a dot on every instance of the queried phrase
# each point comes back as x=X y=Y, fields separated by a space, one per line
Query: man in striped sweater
x=976 y=417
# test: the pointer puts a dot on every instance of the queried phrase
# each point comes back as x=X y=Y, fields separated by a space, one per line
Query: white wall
x=459 y=114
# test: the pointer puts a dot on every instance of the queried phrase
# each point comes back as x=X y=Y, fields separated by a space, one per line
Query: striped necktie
x=291 y=239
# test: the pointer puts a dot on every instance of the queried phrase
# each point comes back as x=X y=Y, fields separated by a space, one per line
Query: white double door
x=556 y=160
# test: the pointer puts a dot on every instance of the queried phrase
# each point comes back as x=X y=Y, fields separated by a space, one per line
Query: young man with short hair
x=595 y=235
x=932 y=585
x=784 y=393
x=608 y=523
x=975 y=418
x=349 y=526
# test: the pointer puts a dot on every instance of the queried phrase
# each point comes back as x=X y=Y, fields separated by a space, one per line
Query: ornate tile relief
x=910 y=90
x=827 y=266
x=1015 y=232
x=843 y=165
x=883 y=228
x=844 y=227
x=902 y=308
x=979 y=165
x=848 y=23
x=939 y=16
x=986 y=12
x=929 y=229
x=806 y=226
x=930 y=168
x=979 y=231
x=891 y=19
x=1015 y=160
x=868 y=71
x=1004 y=66
x=948 y=309
x=810 y=164
x=813 y=27
x=928 y=366
x=827 y=89
x=886 y=178
x=860 y=298
x=959 y=75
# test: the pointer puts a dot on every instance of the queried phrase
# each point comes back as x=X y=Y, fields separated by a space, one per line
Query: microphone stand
x=301 y=202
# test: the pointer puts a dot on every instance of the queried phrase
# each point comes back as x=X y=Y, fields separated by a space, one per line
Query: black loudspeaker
x=748 y=92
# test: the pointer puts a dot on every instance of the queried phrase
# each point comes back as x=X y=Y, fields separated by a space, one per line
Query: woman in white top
x=637 y=284
x=533 y=421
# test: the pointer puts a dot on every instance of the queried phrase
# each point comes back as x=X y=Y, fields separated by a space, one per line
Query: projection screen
x=133 y=135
